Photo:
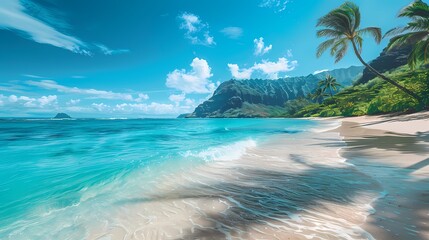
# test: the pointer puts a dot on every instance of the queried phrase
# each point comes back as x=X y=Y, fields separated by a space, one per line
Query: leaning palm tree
x=329 y=83
x=342 y=26
x=416 y=32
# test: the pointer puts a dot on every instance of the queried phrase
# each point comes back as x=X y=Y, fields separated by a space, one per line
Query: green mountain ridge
x=265 y=98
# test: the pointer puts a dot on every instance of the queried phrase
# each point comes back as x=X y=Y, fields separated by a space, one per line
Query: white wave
x=326 y=126
x=223 y=153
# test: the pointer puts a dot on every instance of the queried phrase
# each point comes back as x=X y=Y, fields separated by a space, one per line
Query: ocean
x=168 y=178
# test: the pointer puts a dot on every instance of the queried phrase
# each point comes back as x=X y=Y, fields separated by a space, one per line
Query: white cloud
x=289 y=53
x=232 y=32
x=177 y=98
x=101 y=107
x=31 y=76
x=266 y=68
x=272 y=69
x=320 y=71
x=47 y=100
x=260 y=48
x=73 y=102
x=13 y=98
x=30 y=102
x=107 y=51
x=142 y=97
x=49 y=84
x=277 y=5
x=238 y=73
x=194 y=81
x=14 y=17
x=196 y=30
x=190 y=102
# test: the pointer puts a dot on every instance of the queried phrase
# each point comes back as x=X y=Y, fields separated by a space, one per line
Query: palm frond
x=407 y=38
x=324 y=46
x=417 y=9
x=419 y=54
x=418 y=25
x=329 y=33
x=373 y=31
x=395 y=31
x=341 y=52
x=354 y=13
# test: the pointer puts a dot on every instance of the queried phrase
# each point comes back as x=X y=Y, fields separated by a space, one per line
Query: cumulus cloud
x=94 y=93
x=142 y=97
x=232 y=32
x=266 y=68
x=73 y=102
x=277 y=5
x=193 y=81
x=238 y=73
x=177 y=98
x=196 y=30
x=14 y=17
x=107 y=51
x=260 y=48
x=29 y=102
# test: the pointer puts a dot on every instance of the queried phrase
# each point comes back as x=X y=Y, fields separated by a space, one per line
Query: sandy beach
x=394 y=150
x=367 y=179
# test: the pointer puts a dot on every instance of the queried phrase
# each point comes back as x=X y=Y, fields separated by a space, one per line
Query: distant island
x=62 y=116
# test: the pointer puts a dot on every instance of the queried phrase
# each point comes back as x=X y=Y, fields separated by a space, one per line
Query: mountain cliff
x=264 y=98
x=387 y=61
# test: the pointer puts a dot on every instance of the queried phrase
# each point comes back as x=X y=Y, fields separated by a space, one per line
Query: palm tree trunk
x=330 y=91
x=412 y=94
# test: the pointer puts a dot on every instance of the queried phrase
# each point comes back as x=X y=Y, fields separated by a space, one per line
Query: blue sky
x=131 y=58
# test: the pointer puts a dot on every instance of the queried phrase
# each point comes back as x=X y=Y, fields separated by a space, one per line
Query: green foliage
x=294 y=106
x=375 y=97
x=416 y=32
x=341 y=27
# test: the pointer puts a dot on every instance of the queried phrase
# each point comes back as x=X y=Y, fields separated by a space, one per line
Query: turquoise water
x=47 y=166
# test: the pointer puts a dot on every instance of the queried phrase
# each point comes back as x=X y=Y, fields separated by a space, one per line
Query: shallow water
x=178 y=179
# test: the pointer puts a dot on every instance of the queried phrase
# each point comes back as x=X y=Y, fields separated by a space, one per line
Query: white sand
x=395 y=152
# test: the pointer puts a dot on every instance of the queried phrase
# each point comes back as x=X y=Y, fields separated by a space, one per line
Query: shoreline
x=393 y=150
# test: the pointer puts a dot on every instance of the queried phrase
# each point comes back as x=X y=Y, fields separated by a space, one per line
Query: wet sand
x=294 y=186
x=395 y=152
x=367 y=179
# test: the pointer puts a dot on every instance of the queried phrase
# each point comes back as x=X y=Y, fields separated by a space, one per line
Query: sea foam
x=223 y=153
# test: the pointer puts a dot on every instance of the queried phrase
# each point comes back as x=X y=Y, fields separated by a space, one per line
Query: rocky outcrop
x=264 y=98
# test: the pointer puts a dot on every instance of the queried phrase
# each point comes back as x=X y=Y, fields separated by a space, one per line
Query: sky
x=133 y=58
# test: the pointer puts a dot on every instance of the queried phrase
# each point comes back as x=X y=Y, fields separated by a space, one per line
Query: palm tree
x=416 y=32
x=329 y=83
x=342 y=27
x=318 y=95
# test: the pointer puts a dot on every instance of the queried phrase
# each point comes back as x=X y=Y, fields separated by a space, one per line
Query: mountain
x=387 y=61
x=264 y=98
x=61 y=116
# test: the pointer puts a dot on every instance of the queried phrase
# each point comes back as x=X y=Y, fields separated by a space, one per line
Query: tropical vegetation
x=372 y=98
x=416 y=32
x=342 y=27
